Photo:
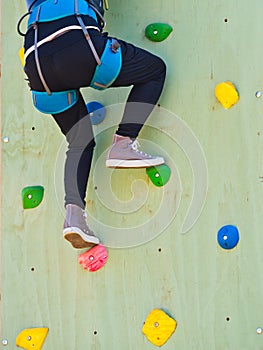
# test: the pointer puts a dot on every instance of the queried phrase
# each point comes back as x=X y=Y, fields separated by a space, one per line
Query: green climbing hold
x=158 y=31
x=32 y=196
x=159 y=174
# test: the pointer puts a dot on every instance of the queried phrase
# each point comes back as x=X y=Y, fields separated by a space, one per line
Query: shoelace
x=87 y=229
x=134 y=145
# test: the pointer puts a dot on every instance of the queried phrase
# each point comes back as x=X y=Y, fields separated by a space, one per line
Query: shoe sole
x=78 y=239
x=134 y=163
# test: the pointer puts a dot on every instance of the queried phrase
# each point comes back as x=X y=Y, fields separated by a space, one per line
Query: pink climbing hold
x=94 y=259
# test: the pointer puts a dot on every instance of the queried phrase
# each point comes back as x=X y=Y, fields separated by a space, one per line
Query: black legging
x=67 y=63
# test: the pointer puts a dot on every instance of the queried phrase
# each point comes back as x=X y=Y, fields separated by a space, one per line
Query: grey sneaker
x=76 y=230
x=124 y=153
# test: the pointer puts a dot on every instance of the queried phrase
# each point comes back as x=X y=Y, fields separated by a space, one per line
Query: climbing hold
x=159 y=174
x=32 y=196
x=227 y=94
x=158 y=327
x=32 y=338
x=96 y=112
x=94 y=259
x=21 y=54
x=228 y=237
x=158 y=31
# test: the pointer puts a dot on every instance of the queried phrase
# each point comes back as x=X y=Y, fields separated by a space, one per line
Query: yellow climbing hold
x=32 y=338
x=158 y=327
x=22 y=55
x=227 y=94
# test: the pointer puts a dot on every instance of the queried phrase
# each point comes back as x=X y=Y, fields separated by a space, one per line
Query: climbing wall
x=185 y=259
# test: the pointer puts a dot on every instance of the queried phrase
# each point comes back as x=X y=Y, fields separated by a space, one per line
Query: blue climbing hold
x=96 y=112
x=228 y=237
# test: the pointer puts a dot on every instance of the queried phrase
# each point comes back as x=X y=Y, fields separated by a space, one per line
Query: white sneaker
x=124 y=153
x=76 y=230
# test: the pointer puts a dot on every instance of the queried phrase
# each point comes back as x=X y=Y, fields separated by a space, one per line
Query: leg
x=68 y=63
x=146 y=72
x=75 y=125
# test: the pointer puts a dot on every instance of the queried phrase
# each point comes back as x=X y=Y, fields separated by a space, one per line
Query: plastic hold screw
x=32 y=196
x=158 y=31
x=5 y=342
x=159 y=174
x=259 y=330
x=94 y=259
x=96 y=111
x=158 y=327
x=5 y=139
x=226 y=93
x=228 y=237
x=32 y=338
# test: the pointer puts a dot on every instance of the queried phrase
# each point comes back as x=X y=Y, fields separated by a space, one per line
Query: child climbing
x=65 y=50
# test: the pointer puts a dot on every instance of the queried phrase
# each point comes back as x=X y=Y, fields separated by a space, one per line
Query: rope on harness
x=99 y=16
x=19 y=23
x=22 y=18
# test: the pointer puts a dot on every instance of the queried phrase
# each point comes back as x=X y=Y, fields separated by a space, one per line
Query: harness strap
x=57 y=102
x=54 y=36
x=111 y=62
x=86 y=33
x=39 y=70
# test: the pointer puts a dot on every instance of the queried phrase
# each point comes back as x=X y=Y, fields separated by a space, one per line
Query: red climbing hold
x=94 y=259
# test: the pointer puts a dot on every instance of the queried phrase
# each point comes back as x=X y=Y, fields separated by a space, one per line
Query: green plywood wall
x=216 y=296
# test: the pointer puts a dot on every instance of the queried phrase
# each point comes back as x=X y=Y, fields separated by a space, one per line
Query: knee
x=82 y=144
x=161 y=68
x=80 y=136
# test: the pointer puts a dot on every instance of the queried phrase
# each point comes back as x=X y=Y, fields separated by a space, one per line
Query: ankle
x=117 y=138
x=72 y=205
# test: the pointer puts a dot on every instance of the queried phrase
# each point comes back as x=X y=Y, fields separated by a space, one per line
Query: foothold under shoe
x=159 y=175
x=94 y=259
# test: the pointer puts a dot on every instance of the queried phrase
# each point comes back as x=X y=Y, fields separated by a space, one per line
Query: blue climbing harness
x=108 y=65
x=56 y=102
x=111 y=62
x=51 y=10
